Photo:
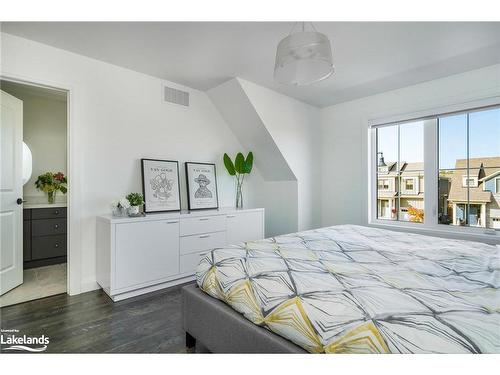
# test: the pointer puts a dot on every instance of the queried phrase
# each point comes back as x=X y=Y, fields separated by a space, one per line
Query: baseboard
x=88 y=286
x=152 y=288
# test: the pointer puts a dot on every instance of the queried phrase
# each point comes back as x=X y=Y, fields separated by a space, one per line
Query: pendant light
x=303 y=57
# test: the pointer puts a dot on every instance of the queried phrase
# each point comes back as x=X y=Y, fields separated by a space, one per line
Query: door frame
x=74 y=162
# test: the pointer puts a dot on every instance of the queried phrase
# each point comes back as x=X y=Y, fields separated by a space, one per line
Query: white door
x=244 y=226
x=11 y=190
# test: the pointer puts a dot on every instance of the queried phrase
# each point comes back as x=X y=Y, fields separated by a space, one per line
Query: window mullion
x=431 y=172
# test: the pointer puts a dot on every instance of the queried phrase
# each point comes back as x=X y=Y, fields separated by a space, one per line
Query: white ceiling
x=370 y=57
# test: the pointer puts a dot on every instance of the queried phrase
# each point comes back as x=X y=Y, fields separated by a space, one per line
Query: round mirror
x=27 y=163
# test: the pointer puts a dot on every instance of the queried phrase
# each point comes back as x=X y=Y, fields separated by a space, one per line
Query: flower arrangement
x=122 y=203
x=129 y=204
x=51 y=183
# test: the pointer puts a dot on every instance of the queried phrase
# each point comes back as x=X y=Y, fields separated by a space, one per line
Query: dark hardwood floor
x=92 y=323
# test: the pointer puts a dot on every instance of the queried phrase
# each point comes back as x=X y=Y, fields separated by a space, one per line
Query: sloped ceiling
x=239 y=113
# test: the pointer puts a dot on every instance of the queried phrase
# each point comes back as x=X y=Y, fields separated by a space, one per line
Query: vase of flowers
x=51 y=183
x=239 y=169
x=136 y=200
x=120 y=207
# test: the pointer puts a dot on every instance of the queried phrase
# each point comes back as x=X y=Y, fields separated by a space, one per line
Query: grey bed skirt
x=220 y=329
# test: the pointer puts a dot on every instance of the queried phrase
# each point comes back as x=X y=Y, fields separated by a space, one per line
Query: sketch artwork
x=202 y=186
x=160 y=183
x=161 y=186
x=202 y=191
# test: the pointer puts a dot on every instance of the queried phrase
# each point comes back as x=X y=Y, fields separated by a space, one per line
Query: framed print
x=160 y=185
x=202 y=186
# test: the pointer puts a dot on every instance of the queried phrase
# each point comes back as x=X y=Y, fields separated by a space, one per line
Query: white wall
x=116 y=118
x=295 y=129
x=279 y=198
x=44 y=131
x=344 y=135
x=281 y=132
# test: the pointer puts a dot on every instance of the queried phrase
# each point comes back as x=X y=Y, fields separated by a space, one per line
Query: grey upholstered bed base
x=220 y=329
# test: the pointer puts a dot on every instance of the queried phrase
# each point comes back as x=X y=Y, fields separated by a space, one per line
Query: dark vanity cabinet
x=45 y=236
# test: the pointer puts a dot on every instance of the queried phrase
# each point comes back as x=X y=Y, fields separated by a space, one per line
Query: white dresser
x=140 y=255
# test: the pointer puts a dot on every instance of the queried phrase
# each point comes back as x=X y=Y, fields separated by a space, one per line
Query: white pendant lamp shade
x=303 y=58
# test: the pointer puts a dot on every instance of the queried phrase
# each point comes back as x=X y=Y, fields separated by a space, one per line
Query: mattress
x=354 y=289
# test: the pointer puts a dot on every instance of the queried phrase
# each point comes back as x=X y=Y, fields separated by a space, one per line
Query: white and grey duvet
x=353 y=289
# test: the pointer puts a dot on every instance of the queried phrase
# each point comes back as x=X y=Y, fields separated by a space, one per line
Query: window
x=383 y=184
x=409 y=184
x=469 y=181
x=464 y=182
x=400 y=151
x=469 y=152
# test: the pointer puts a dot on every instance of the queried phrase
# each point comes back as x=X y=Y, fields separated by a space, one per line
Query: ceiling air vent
x=175 y=96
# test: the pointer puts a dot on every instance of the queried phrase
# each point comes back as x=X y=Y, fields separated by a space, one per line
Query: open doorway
x=34 y=260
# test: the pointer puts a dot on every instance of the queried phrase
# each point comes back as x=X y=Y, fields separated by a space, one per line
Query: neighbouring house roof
x=412 y=196
x=490 y=176
x=406 y=169
x=458 y=193
x=412 y=167
x=386 y=194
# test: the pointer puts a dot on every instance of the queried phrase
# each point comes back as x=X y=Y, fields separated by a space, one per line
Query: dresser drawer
x=48 y=213
x=48 y=247
x=200 y=242
x=189 y=262
x=48 y=227
x=199 y=225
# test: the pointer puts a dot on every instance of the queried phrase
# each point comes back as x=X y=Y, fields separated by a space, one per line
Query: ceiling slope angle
x=232 y=102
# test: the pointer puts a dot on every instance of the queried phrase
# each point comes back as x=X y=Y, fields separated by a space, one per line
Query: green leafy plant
x=135 y=199
x=51 y=183
x=239 y=168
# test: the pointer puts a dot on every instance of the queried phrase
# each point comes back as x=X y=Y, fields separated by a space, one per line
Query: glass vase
x=51 y=195
x=239 y=194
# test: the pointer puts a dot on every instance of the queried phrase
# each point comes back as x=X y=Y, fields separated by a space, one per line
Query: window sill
x=470 y=234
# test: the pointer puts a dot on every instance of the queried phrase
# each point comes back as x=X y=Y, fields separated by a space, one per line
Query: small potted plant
x=136 y=200
x=51 y=183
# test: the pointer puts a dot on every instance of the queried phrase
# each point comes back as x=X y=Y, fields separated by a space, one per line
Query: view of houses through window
x=400 y=167
x=469 y=167
x=469 y=170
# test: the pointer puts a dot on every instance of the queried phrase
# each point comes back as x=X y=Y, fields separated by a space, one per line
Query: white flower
x=124 y=203
x=114 y=204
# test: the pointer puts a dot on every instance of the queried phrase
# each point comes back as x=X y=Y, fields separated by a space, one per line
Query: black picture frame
x=191 y=205
x=147 y=209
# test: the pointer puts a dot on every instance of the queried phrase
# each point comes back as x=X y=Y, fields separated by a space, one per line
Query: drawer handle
x=56 y=212
x=172 y=222
x=204 y=219
x=204 y=236
x=230 y=216
x=56 y=245
x=56 y=226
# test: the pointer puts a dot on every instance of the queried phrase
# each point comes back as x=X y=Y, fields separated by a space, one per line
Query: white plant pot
x=133 y=210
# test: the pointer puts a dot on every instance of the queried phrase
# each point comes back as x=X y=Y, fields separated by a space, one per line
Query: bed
x=347 y=289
